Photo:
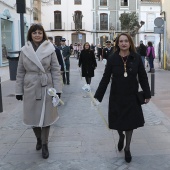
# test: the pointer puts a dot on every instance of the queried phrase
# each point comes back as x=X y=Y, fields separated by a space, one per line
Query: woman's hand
x=147 y=101
x=19 y=97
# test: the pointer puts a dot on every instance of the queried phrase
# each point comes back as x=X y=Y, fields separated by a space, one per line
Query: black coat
x=125 y=112
x=59 y=57
x=88 y=62
x=107 y=52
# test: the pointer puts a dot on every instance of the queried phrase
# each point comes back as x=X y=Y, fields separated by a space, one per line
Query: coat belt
x=42 y=82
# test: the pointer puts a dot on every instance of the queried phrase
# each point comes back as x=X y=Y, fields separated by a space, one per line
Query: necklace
x=124 y=59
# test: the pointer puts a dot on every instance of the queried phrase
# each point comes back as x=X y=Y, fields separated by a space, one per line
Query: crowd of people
x=43 y=65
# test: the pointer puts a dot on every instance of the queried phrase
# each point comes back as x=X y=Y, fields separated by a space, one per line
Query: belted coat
x=37 y=71
x=125 y=112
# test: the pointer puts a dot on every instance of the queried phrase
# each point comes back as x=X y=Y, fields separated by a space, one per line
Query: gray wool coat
x=36 y=72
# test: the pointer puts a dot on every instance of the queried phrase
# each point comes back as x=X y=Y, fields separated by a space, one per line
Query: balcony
x=75 y=27
x=57 y=26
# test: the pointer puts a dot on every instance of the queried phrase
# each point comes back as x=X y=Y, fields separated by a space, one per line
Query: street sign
x=80 y=36
x=159 y=30
x=159 y=22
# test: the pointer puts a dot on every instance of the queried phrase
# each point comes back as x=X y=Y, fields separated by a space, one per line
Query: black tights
x=88 y=80
x=128 y=138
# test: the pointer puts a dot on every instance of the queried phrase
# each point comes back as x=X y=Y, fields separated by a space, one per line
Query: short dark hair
x=33 y=28
x=150 y=43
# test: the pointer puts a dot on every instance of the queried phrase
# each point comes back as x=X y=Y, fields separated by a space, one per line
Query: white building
x=57 y=19
x=10 y=37
x=149 y=11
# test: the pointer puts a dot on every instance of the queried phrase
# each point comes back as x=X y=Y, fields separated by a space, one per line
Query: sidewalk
x=80 y=140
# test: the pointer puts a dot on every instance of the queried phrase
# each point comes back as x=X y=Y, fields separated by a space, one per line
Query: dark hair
x=132 y=46
x=50 y=38
x=34 y=28
x=150 y=43
x=84 y=46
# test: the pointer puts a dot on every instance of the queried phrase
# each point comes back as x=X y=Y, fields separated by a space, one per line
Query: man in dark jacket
x=59 y=56
x=142 y=51
x=66 y=56
x=107 y=50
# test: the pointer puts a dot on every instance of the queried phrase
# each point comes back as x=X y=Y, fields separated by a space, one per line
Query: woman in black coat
x=87 y=62
x=125 y=112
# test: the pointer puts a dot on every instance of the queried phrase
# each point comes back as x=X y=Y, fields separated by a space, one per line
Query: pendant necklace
x=124 y=59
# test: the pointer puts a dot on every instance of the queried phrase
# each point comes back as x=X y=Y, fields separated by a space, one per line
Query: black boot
x=45 y=153
x=128 y=156
x=39 y=144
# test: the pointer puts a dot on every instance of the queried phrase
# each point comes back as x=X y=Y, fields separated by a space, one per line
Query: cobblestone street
x=79 y=140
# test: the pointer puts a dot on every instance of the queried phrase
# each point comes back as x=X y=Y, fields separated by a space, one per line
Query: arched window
x=57 y=20
x=103 y=21
x=103 y=2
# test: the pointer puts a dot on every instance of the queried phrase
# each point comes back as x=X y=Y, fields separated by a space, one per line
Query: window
x=78 y=20
x=57 y=2
x=77 y=2
x=57 y=20
x=103 y=21
x=103 y=2
x=35 y=14
x=124 y=2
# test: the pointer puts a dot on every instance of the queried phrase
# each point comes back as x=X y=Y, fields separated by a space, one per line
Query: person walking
x=107 y=50
x=38 y=70
x=142 y=51
x=87 y=62
x=99 y=51
x=150 y=55
x=66 y=55
x=125 y=112
x=58 y=54
x=75 y=50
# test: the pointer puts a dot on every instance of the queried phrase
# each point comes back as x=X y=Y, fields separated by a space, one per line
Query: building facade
x=106 y=17
x=71 y=19
x=10 y=37
x=149 y=11
x=165 y=13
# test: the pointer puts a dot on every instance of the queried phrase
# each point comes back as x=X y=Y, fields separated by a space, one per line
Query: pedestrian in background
x=125 y=112
x=87 y=62
x=99 y=52
x=107 y=50
x=150 y=55
x=92 y=47
x=75 y=50
x=38 y=70
x=71 y=48
x=58 y=54
x=142 y=51
x=65 y=50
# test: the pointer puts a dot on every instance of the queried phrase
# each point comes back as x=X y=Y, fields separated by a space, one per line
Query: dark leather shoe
x=39 y=144
x=121 y=142
x=128 y=156
x=45 y=153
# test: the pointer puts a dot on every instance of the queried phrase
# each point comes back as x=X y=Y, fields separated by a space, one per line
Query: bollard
x=152 y=82
x=1 y=108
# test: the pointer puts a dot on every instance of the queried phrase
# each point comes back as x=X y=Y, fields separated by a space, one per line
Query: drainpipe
x=164 y=41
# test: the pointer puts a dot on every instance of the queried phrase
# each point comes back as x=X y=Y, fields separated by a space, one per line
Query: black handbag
x=141 y=97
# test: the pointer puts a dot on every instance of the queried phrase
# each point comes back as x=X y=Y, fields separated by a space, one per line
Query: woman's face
x=37 y=36
x=124 y=43
x=87 y=46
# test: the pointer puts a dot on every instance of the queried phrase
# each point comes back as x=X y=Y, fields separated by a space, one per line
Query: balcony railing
x=75 y=26
x=57 y=26
x=151 y=1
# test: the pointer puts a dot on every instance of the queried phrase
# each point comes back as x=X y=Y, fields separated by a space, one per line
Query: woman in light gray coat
x=38 y=70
